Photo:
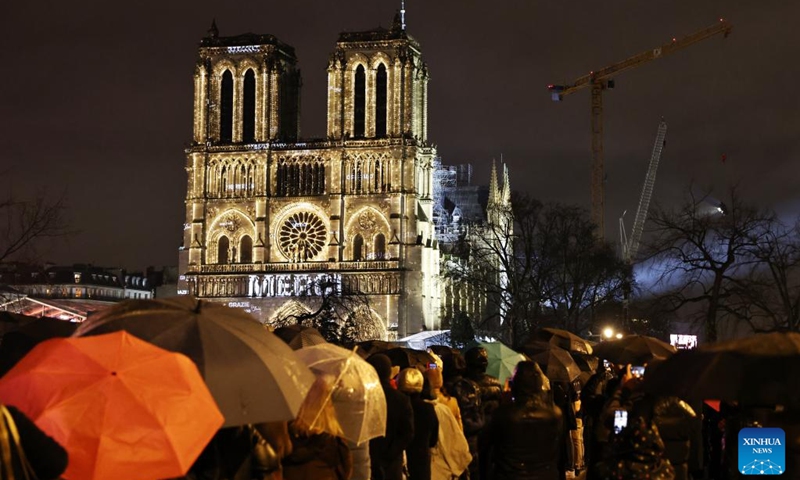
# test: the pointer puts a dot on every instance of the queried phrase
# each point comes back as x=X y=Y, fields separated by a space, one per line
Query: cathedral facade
x=273 y=220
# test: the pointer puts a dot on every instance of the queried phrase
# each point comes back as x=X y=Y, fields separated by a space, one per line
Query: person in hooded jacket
x=477 y=360
x=524 y=437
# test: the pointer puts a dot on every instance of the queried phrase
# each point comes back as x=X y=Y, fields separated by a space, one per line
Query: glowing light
x=608 y=332
x=618 y=336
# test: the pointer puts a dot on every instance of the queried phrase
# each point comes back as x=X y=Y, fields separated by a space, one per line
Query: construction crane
x=600 y=80
x=630 y=246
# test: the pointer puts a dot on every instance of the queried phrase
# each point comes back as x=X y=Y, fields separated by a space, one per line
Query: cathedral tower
x=271 y=217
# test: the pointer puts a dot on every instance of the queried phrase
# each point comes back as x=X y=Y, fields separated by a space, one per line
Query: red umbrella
x=122 y=408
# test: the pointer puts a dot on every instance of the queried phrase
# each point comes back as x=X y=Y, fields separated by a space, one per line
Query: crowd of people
x=450 y=420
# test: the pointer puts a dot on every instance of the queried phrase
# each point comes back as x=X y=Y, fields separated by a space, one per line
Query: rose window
x=301 y=236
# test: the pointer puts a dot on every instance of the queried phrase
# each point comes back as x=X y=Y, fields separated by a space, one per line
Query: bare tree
x=342 y=317
x=766 y=292
x=24 y=223
x=701 y=248
x=544 y=268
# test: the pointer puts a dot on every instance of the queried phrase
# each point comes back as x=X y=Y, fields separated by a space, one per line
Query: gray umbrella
x=252 y=374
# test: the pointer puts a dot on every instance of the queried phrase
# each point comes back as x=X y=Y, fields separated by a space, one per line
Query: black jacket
x=522 y=442
x=386 y=453
x=426 y=436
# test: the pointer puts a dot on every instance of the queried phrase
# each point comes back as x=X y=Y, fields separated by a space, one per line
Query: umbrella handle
x=9 y=429
x=330 y=393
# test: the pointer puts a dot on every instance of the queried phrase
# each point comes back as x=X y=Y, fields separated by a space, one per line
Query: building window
x=380 y=247
x=222 y=250
x=380 y=102
x=226 y=108
x=246 y=250
x=223 y=182
x=359 y=102
x=249 y=108
x=358 y=248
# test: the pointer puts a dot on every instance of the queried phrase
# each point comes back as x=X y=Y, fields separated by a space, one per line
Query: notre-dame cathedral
x=272 y=219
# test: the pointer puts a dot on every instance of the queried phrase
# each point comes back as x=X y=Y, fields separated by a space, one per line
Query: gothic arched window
x=226 y=108
x=241 y=185
x=222 y=250
x=280 y=179
x=377 y=177
x=249 y=108
x=246 y=250
x=223 y=182
x=380 y=102
x=380 y=247
x=358 y=248
x=359 y=102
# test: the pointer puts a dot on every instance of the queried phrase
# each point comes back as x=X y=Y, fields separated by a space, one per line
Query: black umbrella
x=563 y=339
x=634 y=350
x=298 y=336
x=408 y=357
x=253 y=376
x=556 y=363
x=370 y=347
x=443 y=350
x=758 y=370
x=28 y=333
x=587 y=363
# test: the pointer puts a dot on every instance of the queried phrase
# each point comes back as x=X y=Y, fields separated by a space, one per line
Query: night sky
x=97 y=100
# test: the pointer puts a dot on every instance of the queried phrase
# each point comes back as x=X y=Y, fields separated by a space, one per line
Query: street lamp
x=608 y=332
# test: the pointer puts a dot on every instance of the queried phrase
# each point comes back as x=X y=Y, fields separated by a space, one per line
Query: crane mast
x=630 y=246
x=601 y=80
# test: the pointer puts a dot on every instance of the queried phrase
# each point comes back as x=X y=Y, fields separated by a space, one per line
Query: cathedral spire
x=213 y=32
x=493 y=190
x=403 y=14
x=506 y=186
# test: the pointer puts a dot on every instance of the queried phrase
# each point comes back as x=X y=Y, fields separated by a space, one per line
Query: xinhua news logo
x=762 y=451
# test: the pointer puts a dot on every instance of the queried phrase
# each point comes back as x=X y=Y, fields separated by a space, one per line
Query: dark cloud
x=97 y=99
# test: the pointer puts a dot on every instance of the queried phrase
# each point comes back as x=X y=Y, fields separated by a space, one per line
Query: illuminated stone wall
x=268 y=219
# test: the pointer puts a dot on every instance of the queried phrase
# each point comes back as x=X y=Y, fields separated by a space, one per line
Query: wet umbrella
x=634 y=350
x=757 y=370
x=502 y=360
x=121 y=407
x=30 y=332
x=587 y=363
x=370 y=347
x=556 y=363
x=408 y=357
x=352 y=387
x=563 y=339
x=253 y=376
x=443 y=350
x=298 y=336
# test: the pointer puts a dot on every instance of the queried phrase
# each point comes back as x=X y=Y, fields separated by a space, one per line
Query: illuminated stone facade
x=271 y=217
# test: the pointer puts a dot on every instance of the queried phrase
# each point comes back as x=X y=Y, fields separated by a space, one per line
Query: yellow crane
x=600 y=80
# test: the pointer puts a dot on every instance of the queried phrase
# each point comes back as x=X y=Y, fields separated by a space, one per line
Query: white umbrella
x=352 y=387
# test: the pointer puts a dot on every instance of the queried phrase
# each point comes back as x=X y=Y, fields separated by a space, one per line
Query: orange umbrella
x=122 y=408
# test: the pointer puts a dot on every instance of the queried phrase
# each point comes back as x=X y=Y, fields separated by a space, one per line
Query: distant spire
x=403 y=14
x=506 y=186
x=213 y=32
x=493 y=190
